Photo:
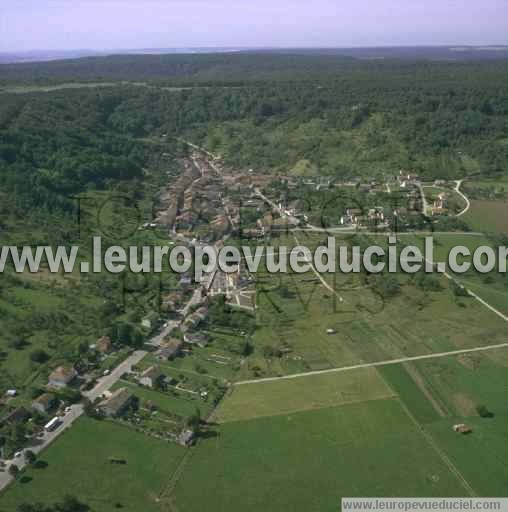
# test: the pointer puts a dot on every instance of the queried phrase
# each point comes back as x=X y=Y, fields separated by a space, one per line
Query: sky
x=129 y=24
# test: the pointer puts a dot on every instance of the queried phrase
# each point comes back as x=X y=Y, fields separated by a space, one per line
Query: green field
x=313 y=392
x=78 y=464
x=307 y=461
x=295 y=311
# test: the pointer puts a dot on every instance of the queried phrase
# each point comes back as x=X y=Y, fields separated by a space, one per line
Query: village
x=169 y=387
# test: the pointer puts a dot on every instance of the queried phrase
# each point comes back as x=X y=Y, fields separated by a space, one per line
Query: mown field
x=78 y=464
x=307 y=461
x=313 y=392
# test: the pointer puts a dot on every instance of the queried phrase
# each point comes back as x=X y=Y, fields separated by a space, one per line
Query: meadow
x=308 y=460
x=254 y=400
x=79 y=464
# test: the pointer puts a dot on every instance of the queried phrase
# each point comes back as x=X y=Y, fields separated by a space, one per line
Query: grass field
x=78 y=464
x=313 y=392
x=482 y=456
x=307 y=461
x=295 y=311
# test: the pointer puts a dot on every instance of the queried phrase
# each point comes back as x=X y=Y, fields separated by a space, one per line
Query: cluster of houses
x=194 y=199
x=440 y=205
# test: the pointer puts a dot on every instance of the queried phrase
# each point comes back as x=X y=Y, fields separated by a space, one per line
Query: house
x=44 y=403
x=151 y=377
x=104 y=345
x=11 y=393
x=117 y=403
x=169 y=350
x=199 y=338
x=194 y=319
x=62 y=376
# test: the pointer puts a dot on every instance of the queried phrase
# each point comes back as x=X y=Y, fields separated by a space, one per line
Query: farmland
x=308 y=460
x=313 y=392
x=488 y=216
x=79 y=463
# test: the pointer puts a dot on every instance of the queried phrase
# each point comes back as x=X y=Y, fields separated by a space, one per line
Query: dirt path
x=422 y=386
x=377 y=363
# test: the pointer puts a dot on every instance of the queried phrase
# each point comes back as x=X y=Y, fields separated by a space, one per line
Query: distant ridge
x=455 y=52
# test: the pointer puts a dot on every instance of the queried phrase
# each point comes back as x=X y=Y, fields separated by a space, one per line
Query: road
x=75 y=412
x=468 y=203
x=282 y=213
x=106 y=382
x=377 y=363
x=425 y=204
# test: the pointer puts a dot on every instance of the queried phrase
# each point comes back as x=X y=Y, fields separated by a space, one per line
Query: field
x=307 y=461
x=488 y=216
x=295 y=311
x=78 y=464
x=314 y=392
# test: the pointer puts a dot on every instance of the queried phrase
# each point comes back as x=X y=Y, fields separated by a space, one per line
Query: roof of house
x=63 y=373
x=103 y=343
x=153 y=372
x=197 y=337
x=117 y=400
x=46 y=399
x=170 y=347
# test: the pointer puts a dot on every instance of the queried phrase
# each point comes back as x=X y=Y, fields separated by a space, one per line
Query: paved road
x=75 y=412
x=106 y=382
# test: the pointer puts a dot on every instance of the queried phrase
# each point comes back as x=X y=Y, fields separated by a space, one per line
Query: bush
x=484 y=412
x=39 y=356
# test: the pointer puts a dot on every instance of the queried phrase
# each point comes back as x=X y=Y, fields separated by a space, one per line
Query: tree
x=39 y=356
x=484 y=412
x=194 y=421
x=30 y=457
x=13 y=470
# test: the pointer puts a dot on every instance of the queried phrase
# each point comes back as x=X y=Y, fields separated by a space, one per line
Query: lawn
x=180 y=405
x=78 y=464
x=313 y=392
x=307 y=461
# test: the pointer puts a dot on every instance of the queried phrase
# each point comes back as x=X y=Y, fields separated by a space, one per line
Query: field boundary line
x=443 y=456
x=374 y=364
x=391 y=396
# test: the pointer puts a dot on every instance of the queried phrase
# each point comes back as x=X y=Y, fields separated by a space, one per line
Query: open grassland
x=481 y=456
x=488 y=216
x=78 y=463
x=464 y=382
x=312 y=392
x=307 y=461
x=295 y=311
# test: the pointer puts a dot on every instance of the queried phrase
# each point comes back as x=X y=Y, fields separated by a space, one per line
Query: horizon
x=120 y=25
